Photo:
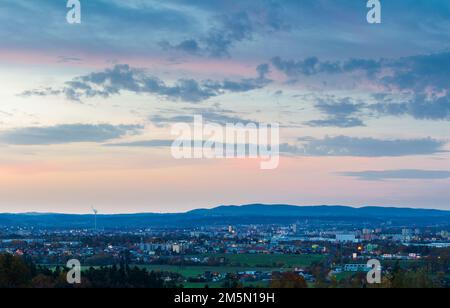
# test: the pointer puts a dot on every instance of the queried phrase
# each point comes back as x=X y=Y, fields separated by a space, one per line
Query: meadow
x=274 y=261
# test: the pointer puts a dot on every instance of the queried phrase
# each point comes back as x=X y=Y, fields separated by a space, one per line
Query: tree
x=231 y=282
x=287 y=280
x=42 y=281
x=14 y=272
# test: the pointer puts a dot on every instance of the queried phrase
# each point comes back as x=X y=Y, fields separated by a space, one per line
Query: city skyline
x=86 y=109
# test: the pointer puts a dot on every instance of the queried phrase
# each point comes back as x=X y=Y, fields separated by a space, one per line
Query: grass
x=236 y=263
x=274 y=261
x=201 y=285
x=218 y=285
x=344 y=275
x=239 y=263
x=52 y=267
x=193 y=271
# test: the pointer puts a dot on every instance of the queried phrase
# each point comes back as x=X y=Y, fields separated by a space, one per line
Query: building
x=176 y=248
x=356 y=268
x=346 y=237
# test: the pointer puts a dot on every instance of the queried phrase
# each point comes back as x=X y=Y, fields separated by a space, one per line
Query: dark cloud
x=346 y=146
x=340 y=113
x=419 y=73
x=66 y=133
x=41 y=92
x=63 y=59
x=338 y=121
x=190 y=46
x=113 y=81
x=414 y=73
x=157 y=143
x=364 y=147
x=313 y=66
x=411 y=174
x=231 y=28
x=423 y=79
x=234 y=28
x=211 y=115
x=339 y=107
x=307 y=67
x=419 y=107
x=263 y=70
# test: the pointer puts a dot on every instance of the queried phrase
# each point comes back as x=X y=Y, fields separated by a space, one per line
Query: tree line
x=21 y=272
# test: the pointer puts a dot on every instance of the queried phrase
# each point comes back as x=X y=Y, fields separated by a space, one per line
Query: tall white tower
x=95 y=218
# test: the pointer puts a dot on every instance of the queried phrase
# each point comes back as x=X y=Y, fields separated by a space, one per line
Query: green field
x=258 y=261
x=217 y=285
x=241 y=263
x=272 y=260
x=201 y=285
x=193 y=271
x=236 y=263
x=344 y=275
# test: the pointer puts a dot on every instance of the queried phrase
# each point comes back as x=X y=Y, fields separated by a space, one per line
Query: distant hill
x=318 y=211
x=246 y=214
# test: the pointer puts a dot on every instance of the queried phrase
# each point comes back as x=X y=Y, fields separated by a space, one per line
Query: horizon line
x=230 y=205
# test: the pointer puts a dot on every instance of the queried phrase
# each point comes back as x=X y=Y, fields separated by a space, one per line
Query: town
x=318 y=255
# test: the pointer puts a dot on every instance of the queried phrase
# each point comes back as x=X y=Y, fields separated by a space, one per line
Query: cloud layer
x=120 y=78
x=406 y=174
x=66 y=133
x=364 y=147
x=414 y=86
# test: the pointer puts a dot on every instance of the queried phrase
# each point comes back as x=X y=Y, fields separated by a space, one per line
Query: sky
x=86 y=109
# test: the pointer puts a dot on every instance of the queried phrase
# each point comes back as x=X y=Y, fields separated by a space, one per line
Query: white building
x=346 y=237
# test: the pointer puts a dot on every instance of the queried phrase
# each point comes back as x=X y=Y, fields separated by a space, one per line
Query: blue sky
x=362 y=106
